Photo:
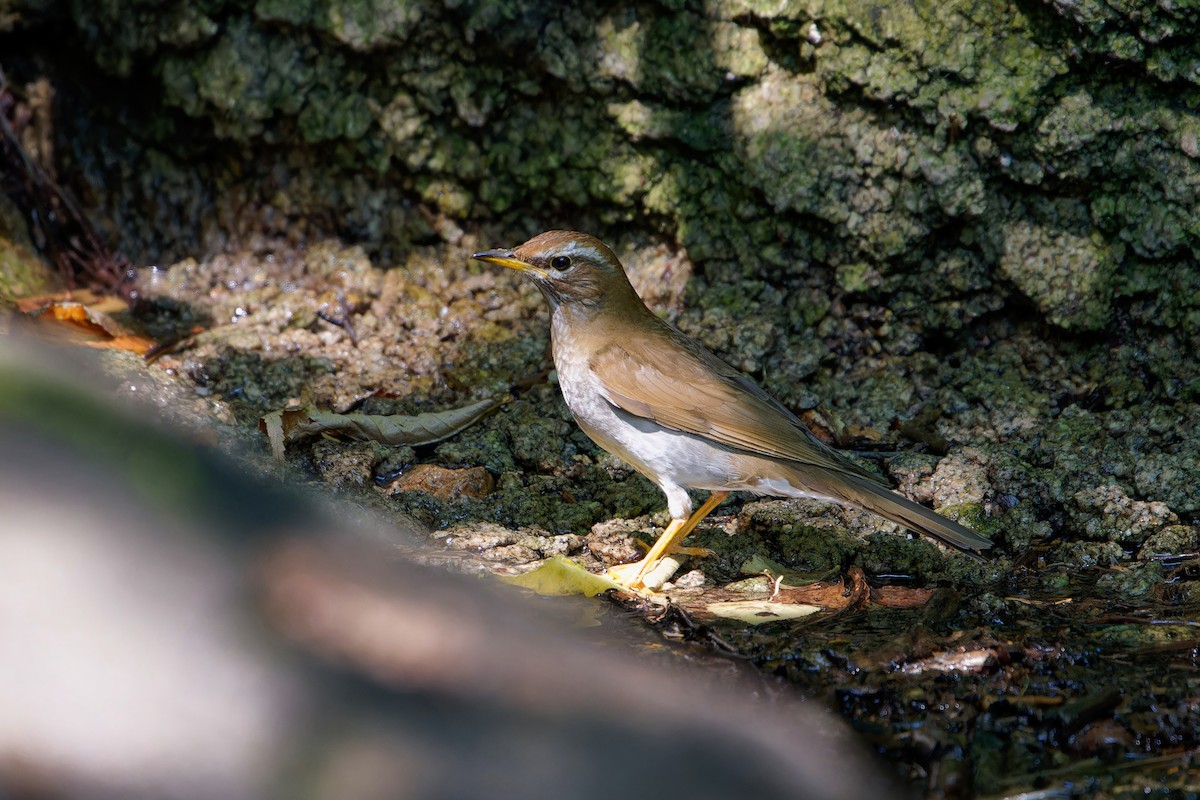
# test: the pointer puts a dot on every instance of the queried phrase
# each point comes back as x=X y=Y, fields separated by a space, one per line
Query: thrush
x=661 y=402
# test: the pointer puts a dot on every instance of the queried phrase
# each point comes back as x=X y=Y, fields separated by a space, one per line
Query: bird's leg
x=631 y=574
x=679 y=529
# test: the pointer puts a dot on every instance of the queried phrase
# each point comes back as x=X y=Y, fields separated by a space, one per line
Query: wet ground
x=1067 y=665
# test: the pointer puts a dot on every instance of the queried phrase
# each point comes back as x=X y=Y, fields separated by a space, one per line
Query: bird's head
x=572 y=269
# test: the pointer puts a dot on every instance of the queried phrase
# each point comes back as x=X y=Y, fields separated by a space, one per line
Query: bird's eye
x=561 y=262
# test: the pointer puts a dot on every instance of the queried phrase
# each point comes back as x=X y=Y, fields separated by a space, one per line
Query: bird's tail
x=862 y=492
x=886 y=503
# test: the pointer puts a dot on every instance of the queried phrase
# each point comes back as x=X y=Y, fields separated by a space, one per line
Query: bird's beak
x=507 y=258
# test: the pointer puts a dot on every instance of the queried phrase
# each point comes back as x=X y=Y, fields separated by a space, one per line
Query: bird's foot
x=649 y=574
x=660 y=563
x=652 y=573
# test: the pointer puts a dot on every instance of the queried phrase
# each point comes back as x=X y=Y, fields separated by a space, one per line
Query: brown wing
x=704 y=396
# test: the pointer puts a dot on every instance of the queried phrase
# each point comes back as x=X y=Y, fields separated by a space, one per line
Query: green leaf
x=758 y=564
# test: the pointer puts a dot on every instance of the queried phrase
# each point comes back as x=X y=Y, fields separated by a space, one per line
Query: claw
x=634 y=575
x=643 y=575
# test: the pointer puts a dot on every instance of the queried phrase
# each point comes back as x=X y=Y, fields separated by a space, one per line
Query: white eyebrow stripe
x=587 y=251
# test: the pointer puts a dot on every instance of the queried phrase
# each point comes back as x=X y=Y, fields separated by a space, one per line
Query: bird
x=661 y=402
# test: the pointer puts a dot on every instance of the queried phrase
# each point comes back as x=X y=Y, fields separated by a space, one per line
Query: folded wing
x=706 y=397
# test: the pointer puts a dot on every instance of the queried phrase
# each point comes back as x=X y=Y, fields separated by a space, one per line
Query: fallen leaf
x=864 y=433
x=272 y=426
x=759 y=564
x=900 y=596
x=28 y=305
x=1036 y=700
x=756 y=612
x=559 y=576
x=961 y=661
x=91 y=324
x=291 y=425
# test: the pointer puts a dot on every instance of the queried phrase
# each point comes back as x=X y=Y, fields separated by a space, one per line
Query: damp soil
x=1067 y=664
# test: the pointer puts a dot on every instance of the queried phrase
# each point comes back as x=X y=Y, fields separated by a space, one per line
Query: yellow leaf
x=561 y=576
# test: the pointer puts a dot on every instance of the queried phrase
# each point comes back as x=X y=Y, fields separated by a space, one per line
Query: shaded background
x=962 y=159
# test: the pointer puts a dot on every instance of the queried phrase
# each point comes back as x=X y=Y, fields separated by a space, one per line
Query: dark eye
x=561 y=262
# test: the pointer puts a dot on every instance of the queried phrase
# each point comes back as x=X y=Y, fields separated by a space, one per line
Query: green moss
x=1084 y=555
x=678 y=56
x=1136 y=637
x=245 y=78
x=366 y=24
x=22 y=272
x=294 y=12
x=886 y=55
x=1170 y=540
x=1106 y=513
x=1135 y=582
x=1156 y=35
x=1055 y=583
x=815 y=549
x=898 y=555
x=488 y=447
x=975 y=517
x=121 y=33
x=1068 y=276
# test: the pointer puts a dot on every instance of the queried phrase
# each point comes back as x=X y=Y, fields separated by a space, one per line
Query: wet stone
x=496 y=543
x=1172 y=539
x=547 y=546
x=1107 y=513
x=344 y=464
x=393 y=463
x=693 y=579
x=1137 y=581
x=477 y=538
x=446 y=484
x=511 y=554
x=613 y=541
x=1089 y=554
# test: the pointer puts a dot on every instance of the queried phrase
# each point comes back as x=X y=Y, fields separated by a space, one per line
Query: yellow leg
x=702 y=552
x=631 y=574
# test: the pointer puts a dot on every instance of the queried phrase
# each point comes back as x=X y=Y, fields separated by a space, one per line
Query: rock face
x=1045 y=152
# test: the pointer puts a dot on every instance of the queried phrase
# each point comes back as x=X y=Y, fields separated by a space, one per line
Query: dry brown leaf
x=28 y=305
x=900 y=596
x=290 y=425
x=1036 y=700
x=91 y=324
x=864 y=433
